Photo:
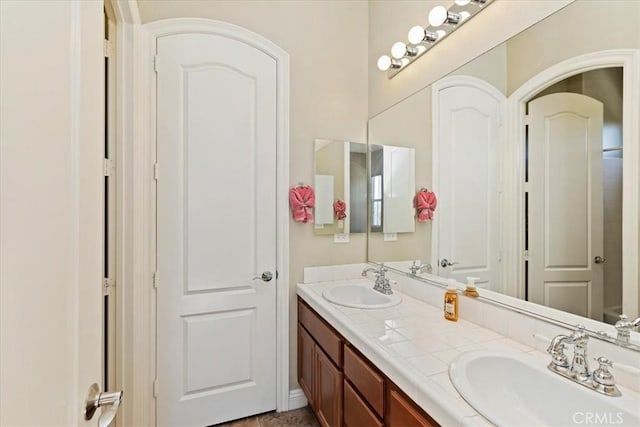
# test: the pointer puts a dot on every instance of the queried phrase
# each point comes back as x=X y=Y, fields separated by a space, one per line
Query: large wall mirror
x=533 y=151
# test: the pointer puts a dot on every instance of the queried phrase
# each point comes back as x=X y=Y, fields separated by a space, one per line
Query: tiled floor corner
x=302 y=417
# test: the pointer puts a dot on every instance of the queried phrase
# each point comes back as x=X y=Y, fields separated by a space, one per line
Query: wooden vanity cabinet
x=342 y=386
x=320 y=366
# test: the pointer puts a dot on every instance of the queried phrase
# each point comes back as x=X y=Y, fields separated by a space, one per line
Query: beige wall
x=390 y=20
x=585 y=26
x=327 y=45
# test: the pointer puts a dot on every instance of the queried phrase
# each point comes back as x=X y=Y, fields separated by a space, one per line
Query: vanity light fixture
x=418 y=35
x=386 y=63
x=442 y=22
x=439 y=15
x=399 y=50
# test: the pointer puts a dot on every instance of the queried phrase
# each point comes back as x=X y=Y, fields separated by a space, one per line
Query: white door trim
x=136 y=203
x=629 y=60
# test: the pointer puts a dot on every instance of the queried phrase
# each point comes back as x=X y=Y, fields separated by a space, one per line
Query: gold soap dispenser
x=451 y=301
x=470 y=290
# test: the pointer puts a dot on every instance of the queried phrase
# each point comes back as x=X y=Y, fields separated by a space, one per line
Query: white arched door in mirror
x=564 y=209
x=467 y=132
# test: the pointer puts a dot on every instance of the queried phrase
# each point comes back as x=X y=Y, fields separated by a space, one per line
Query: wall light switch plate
x=390 y=237
x=340 y=238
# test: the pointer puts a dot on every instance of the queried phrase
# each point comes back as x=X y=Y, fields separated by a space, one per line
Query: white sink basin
x=518 y=390
x=359 y=295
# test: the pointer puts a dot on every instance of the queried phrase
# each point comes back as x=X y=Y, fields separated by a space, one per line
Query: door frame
x=629 y=60
x=136 y=107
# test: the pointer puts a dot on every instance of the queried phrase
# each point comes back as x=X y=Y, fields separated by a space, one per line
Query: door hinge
x=155 y=63
x=107 y=167
x=155 y=388
x=526 y=255
x=527 y=119
x=108 y=48
x=156 y=279
x=156 y=171
x=525 y=187
x=108 y=285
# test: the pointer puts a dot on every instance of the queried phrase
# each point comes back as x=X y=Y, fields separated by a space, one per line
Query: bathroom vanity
x=390 y=366
x=342 y=386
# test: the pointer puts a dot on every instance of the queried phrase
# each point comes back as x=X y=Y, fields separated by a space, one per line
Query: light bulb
x=398 y=50
x=384 y=63
x=437 y=16
x=462 y=2
x=416 y=34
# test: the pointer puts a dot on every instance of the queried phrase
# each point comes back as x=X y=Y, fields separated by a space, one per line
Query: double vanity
x=368 y=358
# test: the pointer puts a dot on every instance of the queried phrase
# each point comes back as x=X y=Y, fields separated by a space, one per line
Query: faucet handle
x=602 y=374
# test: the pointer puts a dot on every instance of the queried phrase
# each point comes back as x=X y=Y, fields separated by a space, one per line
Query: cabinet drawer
x=368 y=381
x=356 y=411
x=326 y=337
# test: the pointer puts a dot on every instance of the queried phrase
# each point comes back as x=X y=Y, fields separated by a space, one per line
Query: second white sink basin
x=359 y=294
x=512 y=389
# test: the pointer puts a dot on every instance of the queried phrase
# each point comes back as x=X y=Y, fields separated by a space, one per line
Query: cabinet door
x=402 y=413
x=306 y=356
x=328 y=396
x=356 y=411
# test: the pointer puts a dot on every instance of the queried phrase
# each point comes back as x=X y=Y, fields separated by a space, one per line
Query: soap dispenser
x=451 y=301
x=470 y=290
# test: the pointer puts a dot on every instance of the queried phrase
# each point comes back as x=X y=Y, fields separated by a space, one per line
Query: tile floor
x=302 y=417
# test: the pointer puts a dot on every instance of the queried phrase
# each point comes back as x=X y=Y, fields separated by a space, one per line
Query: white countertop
x=412 y=344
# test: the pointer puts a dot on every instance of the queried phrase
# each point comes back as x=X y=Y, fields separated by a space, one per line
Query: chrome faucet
x=415 y=268
x=624 y=326
x=382 y=283
x=601 y=380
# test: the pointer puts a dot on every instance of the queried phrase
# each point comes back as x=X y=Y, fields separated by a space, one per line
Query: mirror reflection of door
x=467 y=132
x=574 y=199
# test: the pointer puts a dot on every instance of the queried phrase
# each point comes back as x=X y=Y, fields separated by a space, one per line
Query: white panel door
x=469 y=131
x=565 y=203
x=51 y=207
x=216 y=210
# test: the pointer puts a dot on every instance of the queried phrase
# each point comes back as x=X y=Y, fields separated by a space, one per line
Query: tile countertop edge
x=438 y=406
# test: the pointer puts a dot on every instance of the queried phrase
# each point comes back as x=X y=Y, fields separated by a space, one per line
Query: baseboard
x=297 y=399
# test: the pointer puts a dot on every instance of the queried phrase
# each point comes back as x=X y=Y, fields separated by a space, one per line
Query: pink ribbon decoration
x=340 y=209
x=425 y=203
x=302 y=199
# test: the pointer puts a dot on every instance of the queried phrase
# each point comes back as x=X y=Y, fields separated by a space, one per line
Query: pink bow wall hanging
x=340 y=209
x=302 y=199
x=425 y=203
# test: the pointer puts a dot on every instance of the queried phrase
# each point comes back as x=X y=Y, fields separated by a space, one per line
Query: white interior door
x=216 y=212
x=51 y=133
x=565 y=203
x=468 y=135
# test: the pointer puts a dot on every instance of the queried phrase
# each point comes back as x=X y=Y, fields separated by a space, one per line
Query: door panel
x=469 y=132
x=565 y=203
x=216 y=115
x=51 y=207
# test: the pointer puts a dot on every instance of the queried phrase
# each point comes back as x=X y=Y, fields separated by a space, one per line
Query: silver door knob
x=446 y=263
x=265 y=277
x=97 y=399
x=599 y=260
